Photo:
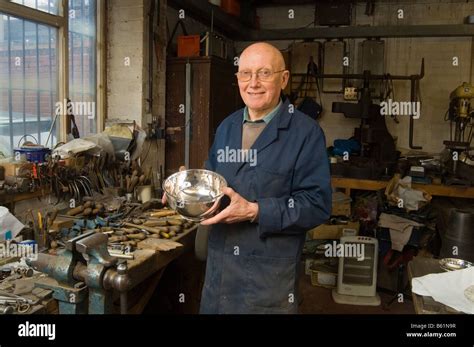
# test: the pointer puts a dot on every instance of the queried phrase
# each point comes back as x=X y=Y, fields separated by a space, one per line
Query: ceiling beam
x=203 y=11
x=234 y=29
x=457 y=30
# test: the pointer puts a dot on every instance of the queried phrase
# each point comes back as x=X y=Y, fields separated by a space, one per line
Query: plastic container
x=231 y=7
x=189 y=46
x=144 y=193
x=33 y=154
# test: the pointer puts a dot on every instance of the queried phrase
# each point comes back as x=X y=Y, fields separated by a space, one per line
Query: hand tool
x=162 y=213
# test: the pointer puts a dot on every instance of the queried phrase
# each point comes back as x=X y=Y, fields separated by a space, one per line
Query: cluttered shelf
x=433 y=189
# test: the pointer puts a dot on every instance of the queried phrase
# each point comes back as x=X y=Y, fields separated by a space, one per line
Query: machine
x=458 y=158
x=378 y=155
x=84 y=275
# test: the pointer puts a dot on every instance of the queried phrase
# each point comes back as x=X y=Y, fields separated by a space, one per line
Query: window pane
x=49 y=6
x=82 y=62
x=28 y=82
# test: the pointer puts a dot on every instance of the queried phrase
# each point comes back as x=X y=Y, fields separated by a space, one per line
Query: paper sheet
x=447 y=288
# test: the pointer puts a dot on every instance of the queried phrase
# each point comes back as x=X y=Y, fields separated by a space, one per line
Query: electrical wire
x=446 y=115
x=301 y=28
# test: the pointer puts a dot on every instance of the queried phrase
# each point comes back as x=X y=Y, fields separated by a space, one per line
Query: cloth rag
x=400 y=229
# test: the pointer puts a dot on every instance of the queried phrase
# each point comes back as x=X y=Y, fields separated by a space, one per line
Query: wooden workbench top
x=419 y=267
x=433 y=189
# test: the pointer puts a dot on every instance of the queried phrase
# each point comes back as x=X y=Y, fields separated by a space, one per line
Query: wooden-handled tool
x=155 y=230
x=133 y=182
x=162 y=213
x=162 y=231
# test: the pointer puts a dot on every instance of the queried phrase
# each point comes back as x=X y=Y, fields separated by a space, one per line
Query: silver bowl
x=194 y=194
x=451 y=264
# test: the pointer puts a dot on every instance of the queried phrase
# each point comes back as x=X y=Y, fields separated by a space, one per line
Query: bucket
x=458 y=239
x=34 y=153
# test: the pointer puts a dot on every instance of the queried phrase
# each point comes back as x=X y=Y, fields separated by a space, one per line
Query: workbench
x=419 y=267
x=148 y=266
x=11 y=199
x=435 y=190
x=144 y=271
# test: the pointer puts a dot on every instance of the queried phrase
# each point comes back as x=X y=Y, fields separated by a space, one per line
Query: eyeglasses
x=262 y=75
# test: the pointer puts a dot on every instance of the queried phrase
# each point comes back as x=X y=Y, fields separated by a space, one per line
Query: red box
x=231 y=7
x=189 y=46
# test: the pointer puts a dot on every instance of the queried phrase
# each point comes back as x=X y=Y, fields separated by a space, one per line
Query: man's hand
x=164 y=199
x=239 y=210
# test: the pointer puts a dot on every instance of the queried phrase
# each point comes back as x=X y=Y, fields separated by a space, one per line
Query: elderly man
x=255 y=242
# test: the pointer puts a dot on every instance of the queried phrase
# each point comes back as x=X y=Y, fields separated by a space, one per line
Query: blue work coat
x=253 y=267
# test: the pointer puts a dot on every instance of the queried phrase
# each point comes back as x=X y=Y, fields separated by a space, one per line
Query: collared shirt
x=266 y=119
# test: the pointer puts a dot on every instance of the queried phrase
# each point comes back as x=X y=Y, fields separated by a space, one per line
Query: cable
x=446 y=115
x=301 y=28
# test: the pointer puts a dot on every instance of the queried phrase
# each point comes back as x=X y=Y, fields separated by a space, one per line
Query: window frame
x=61 y=22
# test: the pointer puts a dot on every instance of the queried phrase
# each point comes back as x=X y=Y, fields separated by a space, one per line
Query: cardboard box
x=324 y=276
x=17 y=168
x=341 y=208
x=332 y=232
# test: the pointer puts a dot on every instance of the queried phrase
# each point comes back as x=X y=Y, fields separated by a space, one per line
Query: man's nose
x=254 y=82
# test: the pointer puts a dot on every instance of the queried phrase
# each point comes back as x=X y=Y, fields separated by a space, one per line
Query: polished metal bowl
x=451 y=264
x=194 y=194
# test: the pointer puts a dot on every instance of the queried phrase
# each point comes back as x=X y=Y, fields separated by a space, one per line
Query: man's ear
x=285 y=78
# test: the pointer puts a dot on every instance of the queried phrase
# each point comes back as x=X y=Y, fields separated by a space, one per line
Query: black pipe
x=412 y=125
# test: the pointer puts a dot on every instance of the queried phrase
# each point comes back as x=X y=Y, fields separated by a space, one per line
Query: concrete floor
x=318 y=300
x=185 y=275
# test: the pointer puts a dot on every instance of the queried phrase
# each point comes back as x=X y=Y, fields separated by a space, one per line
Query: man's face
x=259 y=95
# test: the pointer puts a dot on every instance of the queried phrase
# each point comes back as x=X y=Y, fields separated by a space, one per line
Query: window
x=82 y=59
x=29 y=76
x=49 y=6
x=28 y=81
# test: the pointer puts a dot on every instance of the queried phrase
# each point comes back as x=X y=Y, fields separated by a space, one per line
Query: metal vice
x=85 y=276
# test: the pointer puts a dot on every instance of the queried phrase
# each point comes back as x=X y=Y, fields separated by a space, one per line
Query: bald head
x=266 y=65
x=265 y=50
